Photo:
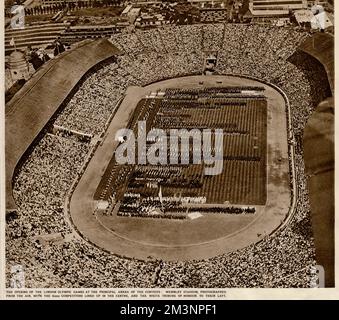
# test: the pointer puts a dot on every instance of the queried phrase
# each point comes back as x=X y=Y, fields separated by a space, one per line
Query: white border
x=2 y=156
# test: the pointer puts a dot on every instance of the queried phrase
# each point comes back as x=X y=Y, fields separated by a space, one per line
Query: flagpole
x=162 y=204
x=160 y=198
x=12 y=43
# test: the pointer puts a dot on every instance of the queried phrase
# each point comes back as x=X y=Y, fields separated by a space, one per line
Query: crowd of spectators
x=283 y=259
x=97 y=98
x=41 y=187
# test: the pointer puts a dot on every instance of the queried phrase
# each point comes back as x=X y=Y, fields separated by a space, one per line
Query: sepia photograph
x=178 y=144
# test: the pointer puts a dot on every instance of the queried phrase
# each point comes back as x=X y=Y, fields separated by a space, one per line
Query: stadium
x=77 y=219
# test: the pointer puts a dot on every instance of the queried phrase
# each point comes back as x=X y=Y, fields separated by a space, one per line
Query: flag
x=160 y=195
x=12 y=42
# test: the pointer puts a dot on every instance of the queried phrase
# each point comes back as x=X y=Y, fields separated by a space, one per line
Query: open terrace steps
x=33 y=36
x=31 y=28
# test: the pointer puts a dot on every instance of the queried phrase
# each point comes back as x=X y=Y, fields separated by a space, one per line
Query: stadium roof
x=31 y=109
x=319 y=164
x=320 y=129
x=321 y=47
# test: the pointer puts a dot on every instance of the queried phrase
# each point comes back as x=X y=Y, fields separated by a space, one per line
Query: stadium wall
x=31 y=109
x=321 y=47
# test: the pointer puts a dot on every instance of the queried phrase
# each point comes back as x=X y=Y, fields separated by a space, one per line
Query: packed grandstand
x=42 y=183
